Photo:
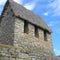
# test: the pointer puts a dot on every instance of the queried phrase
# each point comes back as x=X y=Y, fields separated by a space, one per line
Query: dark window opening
x=36 y=32
x=45 y=35
x=26 y=29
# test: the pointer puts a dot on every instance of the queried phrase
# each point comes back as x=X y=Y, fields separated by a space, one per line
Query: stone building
x=20 y=27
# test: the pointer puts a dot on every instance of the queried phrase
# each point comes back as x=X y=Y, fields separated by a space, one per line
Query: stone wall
x=12 y=33
x=19 y=53
x=27 y=40
x=13 y=53
x=7 y=27
x=18 y=31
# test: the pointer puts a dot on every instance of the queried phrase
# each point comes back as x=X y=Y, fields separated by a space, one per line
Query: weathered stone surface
x=7 y=27
x=12 y=33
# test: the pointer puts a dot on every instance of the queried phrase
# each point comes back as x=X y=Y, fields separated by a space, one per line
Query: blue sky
x=49 y=11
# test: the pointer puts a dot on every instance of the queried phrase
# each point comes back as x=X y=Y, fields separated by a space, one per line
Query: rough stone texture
x=18 y=31
x=8 y=53
x=37 y=46
x=7 y=27
x=12 y=54
x=12 y=33
x=24 y=39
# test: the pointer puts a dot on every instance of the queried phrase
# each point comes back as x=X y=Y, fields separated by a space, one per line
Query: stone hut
x=21 y=28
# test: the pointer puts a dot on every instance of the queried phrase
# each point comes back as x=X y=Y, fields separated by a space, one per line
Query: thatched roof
x=22 y=12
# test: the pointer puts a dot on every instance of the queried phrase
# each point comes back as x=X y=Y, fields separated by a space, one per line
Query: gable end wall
x=7 y=27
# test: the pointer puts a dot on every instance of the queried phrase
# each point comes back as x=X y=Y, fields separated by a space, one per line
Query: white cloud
x=55 y=6
x=19 y=1
x=57 y=52
x=46 y=13
x=2 y=2
x=53 y=23
x=31 y=5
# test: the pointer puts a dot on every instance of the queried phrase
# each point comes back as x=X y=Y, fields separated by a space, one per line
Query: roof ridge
x=9 y=0
x=26 y=14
